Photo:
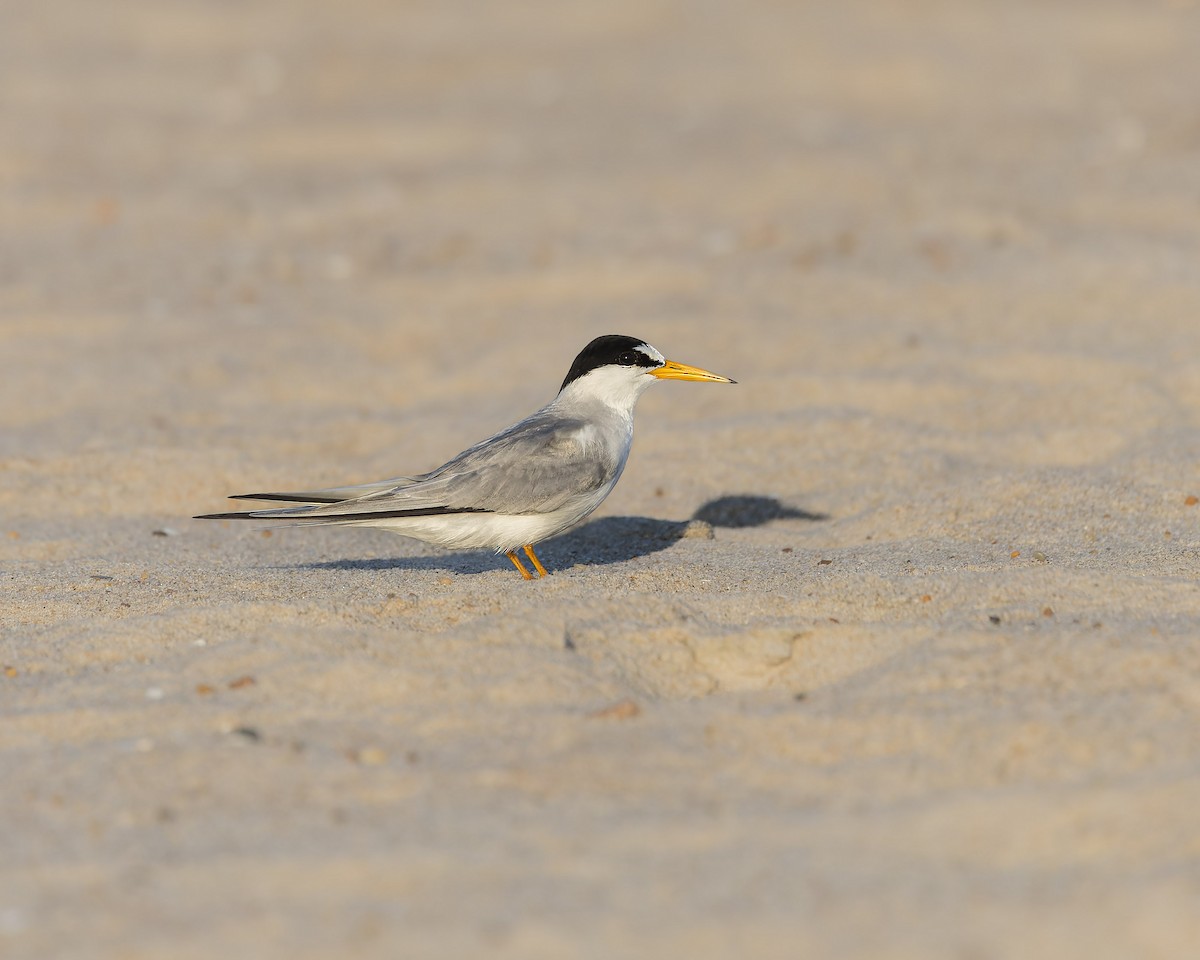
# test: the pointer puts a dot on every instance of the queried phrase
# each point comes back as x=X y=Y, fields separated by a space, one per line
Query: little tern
x=525 y=484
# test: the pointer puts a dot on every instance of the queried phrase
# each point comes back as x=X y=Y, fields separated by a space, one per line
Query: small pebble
x=240 y=682
x=205 y=690
x=621 y=710
x=1191 y=501
x=993 y=618
x=165 y=532
x=1047 y=611
x=370 y=756
x=1039 y=556
x=247 y=733
x=10 y=671
x=698 y=530
x=154 y=693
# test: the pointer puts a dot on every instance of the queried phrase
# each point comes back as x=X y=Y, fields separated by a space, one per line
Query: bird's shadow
x=604 y=541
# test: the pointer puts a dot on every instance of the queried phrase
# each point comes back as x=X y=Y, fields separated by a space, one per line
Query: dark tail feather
x=279 y=513
x=286 y=497
x=301 y=515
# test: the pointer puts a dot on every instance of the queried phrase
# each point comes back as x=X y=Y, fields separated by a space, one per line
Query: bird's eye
x=628 y=359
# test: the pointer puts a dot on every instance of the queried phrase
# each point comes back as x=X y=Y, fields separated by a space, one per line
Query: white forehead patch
x=652 y=353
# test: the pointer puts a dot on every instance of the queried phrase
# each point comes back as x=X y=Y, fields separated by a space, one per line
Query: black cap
x=611 y=350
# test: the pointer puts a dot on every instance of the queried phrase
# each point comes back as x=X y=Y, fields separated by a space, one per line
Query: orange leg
x=536 y=562
x=517 y=563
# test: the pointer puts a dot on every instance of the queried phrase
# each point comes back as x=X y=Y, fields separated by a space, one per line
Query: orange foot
x=517 y=563
x=536 y=562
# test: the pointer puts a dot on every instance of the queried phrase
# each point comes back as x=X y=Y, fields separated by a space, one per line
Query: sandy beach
x=888 y=651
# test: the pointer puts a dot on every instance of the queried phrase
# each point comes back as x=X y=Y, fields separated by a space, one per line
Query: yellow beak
x=681 y=371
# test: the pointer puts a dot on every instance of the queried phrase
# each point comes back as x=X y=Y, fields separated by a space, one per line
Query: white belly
x=490 y=531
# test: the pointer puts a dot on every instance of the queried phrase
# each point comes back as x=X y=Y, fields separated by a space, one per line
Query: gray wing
x=537 y=466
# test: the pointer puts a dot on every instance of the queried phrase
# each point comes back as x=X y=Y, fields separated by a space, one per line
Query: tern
x=525 y=484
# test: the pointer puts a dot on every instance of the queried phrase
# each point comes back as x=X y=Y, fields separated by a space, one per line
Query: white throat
x=614 y=387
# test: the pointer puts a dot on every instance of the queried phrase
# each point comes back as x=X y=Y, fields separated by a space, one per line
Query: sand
x=890 y=651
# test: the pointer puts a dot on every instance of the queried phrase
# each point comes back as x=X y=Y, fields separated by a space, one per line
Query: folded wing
x=538 y=466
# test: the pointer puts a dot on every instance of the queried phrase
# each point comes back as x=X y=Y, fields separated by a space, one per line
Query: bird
x=527 y=483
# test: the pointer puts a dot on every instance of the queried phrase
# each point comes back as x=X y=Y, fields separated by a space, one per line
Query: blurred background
x=367 y=212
